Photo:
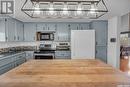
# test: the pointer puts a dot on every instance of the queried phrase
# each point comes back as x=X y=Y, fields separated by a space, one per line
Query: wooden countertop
x=64 y=73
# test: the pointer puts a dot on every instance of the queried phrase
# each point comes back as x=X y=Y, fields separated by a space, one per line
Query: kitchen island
x=64 y=73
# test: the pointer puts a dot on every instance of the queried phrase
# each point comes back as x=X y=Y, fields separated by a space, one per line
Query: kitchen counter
x=64 y=73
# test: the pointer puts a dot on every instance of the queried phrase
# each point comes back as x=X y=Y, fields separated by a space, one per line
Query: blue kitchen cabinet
x=11 y=61
x=6 y=68
x=51 y=27
x=101 y=28
x=10 y=29
x=63 y=54
x=101 y=53
x=19 y=31
x=2 y=30
x=40 y=27
x=79 y=26
x=29 y=32
x=74 y=26
x=62 y=32
x=20 y=59
x=6 y=64
x=29 y=55
x=84 y=26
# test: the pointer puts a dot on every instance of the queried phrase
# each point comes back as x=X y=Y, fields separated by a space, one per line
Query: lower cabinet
x=20 y=59
x=9 y=62
x=101 y=53
x=63 y=54
x=29 y=55
x=6 y=68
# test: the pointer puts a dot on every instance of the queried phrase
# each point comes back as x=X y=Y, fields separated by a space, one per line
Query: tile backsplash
x=16 y=44
x=23 y=46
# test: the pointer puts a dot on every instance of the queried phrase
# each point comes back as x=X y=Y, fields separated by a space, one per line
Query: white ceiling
x=115 y=7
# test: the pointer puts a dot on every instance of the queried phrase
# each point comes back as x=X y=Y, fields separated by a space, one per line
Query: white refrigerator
x=83 y=44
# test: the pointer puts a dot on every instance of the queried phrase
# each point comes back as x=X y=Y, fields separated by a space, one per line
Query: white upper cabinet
x=2 y=30
x=29 y=32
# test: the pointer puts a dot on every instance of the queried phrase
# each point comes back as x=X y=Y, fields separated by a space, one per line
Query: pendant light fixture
x=51 y=9
x=65 y=9
x=92 y=9
x=79 y=9
x=37 y=8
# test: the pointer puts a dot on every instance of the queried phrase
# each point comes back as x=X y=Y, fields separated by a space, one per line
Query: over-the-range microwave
x=42 y=36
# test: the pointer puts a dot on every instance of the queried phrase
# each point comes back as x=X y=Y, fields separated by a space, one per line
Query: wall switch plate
x=113 y=40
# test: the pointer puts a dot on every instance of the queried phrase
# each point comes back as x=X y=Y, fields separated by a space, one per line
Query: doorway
x=125 y=52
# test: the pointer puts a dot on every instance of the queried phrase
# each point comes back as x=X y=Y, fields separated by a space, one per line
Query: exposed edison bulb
x=93 y=8
x=51 y=9
x=79 y=10
x=37 y=9
x=65 y=9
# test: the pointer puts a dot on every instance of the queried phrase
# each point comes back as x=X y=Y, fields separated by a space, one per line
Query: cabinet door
x=63 y=55
x=29 y=55
x=84 y=26
x=19 y=31
x=41 y=27
x=2 y=30
x=101 y=53
x=101 y=32
x=125 y=22
x=62 y=32
x=10 y=26
x=29 y=32
x=74 y=27
x=6 y=60
x=6 y=68
x=51 y=27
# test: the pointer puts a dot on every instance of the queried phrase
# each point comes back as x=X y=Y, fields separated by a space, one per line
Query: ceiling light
x=37 y=9
x=65 y=8
x=93 y=9
x=51 y=9
x=79 y=10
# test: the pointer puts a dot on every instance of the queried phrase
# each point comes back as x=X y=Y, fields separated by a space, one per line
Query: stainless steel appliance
x=45 y=52
x=43 y=36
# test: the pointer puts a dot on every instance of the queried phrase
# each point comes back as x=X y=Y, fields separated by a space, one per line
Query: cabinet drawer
x=7 y=60
x=6 y=68
x=19 y=62
x=63 y=54
x=20 y=56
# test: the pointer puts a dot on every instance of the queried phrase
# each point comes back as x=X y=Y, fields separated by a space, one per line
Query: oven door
x=46 y=36
x=44 y=56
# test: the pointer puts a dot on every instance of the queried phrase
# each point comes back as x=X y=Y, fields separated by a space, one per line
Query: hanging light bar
x=92 y=9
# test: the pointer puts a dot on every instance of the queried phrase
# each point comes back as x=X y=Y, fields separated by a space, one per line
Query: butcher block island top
x=64 y=73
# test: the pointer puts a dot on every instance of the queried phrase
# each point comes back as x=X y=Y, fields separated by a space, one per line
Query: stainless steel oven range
x=45 y=52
